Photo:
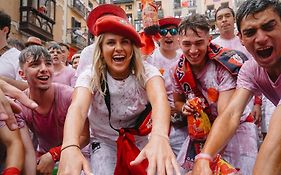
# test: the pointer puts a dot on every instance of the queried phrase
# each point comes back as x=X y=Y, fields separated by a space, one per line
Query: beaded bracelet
x=73 y=145
x=203 y=156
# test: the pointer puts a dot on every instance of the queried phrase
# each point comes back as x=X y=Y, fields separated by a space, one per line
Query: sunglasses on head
x=164 y=32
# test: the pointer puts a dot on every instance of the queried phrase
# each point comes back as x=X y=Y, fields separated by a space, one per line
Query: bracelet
x=203 y=156
x=73 y=145
x=161 y=135
x=55 y=152
x=257 y=100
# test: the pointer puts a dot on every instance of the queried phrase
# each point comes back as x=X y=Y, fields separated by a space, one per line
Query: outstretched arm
x=14 y=145
x=73 y=129
x=8 y=107
x=158 y=151
x=269 y=157
x=219 y=134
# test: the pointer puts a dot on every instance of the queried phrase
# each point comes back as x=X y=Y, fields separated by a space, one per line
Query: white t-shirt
x=234 y=44
x=86 y=59
x=9 y=64
x=166 y=67
x=127 y=98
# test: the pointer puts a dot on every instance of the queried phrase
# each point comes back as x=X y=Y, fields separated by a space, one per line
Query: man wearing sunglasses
x=164 y=58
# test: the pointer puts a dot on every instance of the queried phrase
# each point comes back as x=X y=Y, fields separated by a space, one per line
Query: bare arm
x=73 y=128
x=229 y=117
x=269 y=157
x=9 y=107
x=17 y=83
x=14 y=145
x=30 y=156
x=158 y=151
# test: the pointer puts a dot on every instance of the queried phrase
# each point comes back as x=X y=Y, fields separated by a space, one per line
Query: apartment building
x=58 y=20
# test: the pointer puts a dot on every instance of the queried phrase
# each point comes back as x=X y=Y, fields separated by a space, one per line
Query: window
x=224 y=4
x=75 y=24
x=192 y=3
x=177 y=4
x=90 y=5
x=128 y=7
x=178 y=14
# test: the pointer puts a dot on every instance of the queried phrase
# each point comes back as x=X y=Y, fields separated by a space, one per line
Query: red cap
x=102 y=10
x=118 y=26
x=169 y=21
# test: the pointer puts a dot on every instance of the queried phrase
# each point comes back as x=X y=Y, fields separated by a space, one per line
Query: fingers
x=151 y=169
x=86 y=168
x=187 y=109
x=176 y=166
x=17 y=94
x=138 y=159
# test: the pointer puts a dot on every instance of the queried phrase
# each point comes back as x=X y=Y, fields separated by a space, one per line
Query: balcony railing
x=36 y=23
x=122 y=1
x=75 y=38
x=79 y=7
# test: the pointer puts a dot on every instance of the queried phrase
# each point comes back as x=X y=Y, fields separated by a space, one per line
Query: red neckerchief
x=184 y=77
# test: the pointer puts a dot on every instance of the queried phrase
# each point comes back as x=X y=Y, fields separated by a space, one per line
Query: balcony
x=122 y=1
x=210 y=13
x=76 y=38
x=79 y=8
x=36 y=22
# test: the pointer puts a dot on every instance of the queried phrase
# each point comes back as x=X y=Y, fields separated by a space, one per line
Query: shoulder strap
x=143 y=118
x=104 y=86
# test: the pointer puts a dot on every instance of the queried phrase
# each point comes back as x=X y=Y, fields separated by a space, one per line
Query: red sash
x=184 y=77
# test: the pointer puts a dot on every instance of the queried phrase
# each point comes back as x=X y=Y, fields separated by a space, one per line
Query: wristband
x=203 y=156
x=55 y=152
x=257 y=100
x=11 y=171
x=73 y=145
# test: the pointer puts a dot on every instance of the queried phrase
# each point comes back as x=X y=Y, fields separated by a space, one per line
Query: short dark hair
x=224 y=7
x=65 y=45
x=35 y=52
x=255 y=6
x=54 y=46
x=16 y=43
x=194 y=22
x=5 y=21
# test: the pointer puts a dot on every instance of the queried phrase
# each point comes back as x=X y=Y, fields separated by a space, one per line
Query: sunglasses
x=164 y=32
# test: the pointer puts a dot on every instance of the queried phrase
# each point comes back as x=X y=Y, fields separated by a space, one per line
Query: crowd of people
x=192 y=106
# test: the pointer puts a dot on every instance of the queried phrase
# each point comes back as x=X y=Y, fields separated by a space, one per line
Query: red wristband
x=55 y=152
x=11 y=171
x=257 y=100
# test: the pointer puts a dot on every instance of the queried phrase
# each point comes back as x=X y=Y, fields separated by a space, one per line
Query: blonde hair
x=99 y=67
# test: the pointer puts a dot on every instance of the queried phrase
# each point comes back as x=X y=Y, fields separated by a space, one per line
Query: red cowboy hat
x=102 y=10
x=169 y=21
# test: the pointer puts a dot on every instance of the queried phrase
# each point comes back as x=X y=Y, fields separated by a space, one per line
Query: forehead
x=258 y=19
x=31 y=59
x=224 y=11
x=108 y=36
x=194 y=36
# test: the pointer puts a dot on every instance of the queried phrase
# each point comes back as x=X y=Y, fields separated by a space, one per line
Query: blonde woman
x=131 y=84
